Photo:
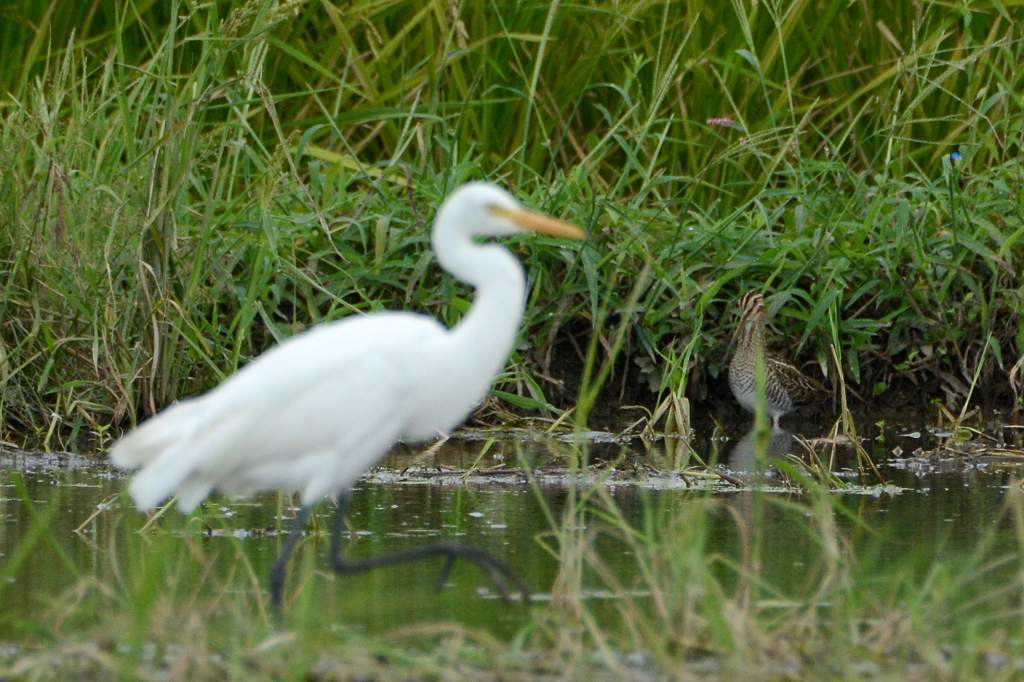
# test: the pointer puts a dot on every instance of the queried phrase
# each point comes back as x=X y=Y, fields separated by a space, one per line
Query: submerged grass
x=689 y=604
x=184 y=184
x=850 y=617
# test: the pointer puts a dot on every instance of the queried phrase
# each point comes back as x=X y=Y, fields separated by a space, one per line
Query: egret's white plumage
x=313 y=413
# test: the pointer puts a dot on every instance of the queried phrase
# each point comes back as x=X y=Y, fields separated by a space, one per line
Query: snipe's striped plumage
x=784 y=385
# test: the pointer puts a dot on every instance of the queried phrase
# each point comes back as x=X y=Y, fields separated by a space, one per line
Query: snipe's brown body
x=785 y=386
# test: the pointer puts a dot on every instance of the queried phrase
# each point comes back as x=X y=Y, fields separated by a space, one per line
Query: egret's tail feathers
x=165 y=448
x=161 y=478
x=181 y=454
x=156 y=435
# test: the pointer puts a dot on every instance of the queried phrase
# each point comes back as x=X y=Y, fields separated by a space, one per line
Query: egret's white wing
x=321 y=394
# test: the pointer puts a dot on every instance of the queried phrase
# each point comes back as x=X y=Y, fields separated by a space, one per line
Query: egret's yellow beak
x=536 y=222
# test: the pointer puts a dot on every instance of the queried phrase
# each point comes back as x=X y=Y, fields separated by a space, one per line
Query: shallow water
x=473 y=489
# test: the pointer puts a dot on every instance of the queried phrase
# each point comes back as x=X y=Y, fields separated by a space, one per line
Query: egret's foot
x=505 y=580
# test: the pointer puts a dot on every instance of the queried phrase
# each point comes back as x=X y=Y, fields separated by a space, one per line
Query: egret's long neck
x=488 y=331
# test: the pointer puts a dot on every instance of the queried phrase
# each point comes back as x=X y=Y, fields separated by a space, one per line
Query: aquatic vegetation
x=638 y=577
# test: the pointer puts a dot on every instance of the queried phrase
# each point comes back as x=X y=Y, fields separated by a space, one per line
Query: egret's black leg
x=500 y=573
x=446 y=570
x=278 y=570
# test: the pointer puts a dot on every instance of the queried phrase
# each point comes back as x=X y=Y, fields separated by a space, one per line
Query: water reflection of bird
x=313 y=413
x=743 y=456
x=785 y=386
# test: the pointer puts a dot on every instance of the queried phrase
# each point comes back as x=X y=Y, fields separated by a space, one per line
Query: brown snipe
x=785 y=386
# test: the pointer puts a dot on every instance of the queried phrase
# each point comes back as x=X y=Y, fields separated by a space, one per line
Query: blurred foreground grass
x=682 y=585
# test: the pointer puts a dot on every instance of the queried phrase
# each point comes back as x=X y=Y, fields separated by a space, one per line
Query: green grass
x=182 y=184
x=179 y=195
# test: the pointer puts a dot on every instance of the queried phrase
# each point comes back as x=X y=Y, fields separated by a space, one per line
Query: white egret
x=313 y=413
